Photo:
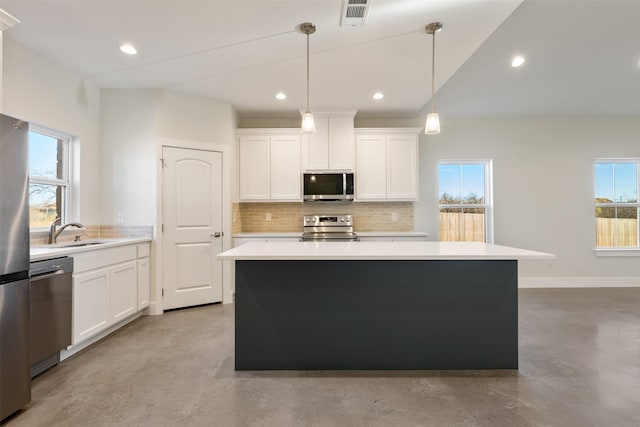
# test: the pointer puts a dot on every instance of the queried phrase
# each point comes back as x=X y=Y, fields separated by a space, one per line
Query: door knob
x=216 y=234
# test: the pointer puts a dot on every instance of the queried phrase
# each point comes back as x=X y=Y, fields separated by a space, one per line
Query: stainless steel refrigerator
x=15 y=360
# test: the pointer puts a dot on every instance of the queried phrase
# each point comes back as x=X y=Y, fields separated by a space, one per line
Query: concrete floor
x=579 y=366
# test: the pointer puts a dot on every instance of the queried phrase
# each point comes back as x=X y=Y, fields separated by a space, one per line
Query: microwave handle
x=344 y=184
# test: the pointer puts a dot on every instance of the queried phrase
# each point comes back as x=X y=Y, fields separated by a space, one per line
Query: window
x=616 y=200
x=465 y=201
x=48 y=176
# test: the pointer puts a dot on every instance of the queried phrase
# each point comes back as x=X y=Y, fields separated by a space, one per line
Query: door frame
x=156 y=305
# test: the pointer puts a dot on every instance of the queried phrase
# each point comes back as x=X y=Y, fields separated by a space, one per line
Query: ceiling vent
x=354 y=12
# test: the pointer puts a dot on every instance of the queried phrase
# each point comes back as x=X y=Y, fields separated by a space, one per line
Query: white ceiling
x=583 y=56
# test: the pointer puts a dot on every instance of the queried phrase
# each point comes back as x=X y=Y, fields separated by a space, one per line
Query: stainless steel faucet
x=53 y=233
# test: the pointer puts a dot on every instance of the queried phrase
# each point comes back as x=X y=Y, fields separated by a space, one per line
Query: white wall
x=133 y=121
x=39 y=90
x=195 y=118
x=135 y=125
x=129 y=121
x=198 y=119
x=543 y=186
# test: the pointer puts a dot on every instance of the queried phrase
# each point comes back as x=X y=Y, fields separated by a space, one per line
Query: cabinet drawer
x=102 y=257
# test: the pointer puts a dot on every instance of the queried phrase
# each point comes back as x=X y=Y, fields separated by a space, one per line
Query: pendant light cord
x=307 y=72
x=433 y=74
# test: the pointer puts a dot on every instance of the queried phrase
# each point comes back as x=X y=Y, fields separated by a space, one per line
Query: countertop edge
x=38 y=253
x=262 y=251
x=266 y=234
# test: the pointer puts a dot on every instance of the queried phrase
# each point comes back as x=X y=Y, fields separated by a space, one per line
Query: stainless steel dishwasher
x=51 y=302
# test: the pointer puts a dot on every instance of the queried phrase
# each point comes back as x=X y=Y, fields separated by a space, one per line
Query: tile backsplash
x=94 y=232
x=252 y=217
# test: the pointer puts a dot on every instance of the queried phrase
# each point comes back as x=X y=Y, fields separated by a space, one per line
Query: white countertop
x=265 y=234
x=378 y=251
x=392 y=234
x=275 y=234
x=54 y=251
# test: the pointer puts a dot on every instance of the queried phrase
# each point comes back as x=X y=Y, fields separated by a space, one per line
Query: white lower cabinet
x=90 y=303
x=109 y=285
x=124 y=290
x=143 y=283
x=144 y=271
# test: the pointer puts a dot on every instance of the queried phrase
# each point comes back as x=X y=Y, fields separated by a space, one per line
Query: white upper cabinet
x=371 y=167
x=315 y=146
x=269 y=164
x=332 y=146
x=387 y=164
x=402 y=167
x=285 y=167
x=255 y=165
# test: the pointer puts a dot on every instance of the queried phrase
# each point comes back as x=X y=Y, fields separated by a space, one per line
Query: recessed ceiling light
x=281 y=96
x=378 y=95
x=128 y=49
x=517 y=61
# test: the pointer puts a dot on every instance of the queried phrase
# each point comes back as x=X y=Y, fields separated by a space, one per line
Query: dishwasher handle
x=49 y=274
x=50 y=267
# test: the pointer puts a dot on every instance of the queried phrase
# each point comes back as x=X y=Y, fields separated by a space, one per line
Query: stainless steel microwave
x=328 y=187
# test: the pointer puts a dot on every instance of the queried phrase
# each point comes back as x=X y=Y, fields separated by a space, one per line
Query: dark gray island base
x=376 y=314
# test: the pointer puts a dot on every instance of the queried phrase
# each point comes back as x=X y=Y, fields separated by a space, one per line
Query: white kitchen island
x=376 y=305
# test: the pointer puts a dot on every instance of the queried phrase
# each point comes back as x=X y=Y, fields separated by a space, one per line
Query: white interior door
x=192 y=218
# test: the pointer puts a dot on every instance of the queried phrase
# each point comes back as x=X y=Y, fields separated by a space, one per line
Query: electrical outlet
x=119 y=218
x=394 y=216
x=268 y=216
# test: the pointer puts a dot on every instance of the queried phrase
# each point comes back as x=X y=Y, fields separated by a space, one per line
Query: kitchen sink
x=80 y=244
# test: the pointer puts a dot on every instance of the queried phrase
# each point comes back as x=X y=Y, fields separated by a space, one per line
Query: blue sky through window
x=43 y=157
x=461 y=181
x=616 y=182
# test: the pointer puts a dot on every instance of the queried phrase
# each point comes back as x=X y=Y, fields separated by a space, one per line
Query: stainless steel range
x=328 y=228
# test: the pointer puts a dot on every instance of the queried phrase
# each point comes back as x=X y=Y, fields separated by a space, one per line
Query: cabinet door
x=371 y=176
x=402 y=167
x=143 y=283
x=254 y=167
x=315 y=146
x=124 y=290
x=90 y=303
x=341 y=143
x=285 y=168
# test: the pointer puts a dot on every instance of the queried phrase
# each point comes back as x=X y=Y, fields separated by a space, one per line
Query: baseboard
x=580 y=282
x=155 y=308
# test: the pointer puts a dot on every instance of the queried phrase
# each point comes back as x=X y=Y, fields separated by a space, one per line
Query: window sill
x=620 y=252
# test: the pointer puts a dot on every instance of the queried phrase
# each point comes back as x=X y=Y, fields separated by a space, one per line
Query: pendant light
x=432 y=126
x=308 y=124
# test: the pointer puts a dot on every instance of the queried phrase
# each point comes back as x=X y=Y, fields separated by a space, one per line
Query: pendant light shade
x=308 y=124
x=432 y=126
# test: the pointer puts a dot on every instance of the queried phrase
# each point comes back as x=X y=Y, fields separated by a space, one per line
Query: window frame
x=488 y=193
x=65 y=181
x=616 y=250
